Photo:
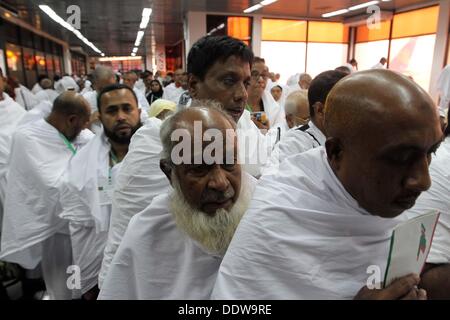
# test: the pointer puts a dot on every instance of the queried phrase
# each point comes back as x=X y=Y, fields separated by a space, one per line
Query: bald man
x=174 y=90
x=101 y=78
x=32 y=231
x=199 y=213
x=314 y=227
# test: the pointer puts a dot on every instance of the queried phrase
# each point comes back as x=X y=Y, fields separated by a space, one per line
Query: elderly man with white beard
x=173 y=249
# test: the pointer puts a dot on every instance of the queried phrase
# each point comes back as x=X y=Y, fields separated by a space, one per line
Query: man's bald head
x=70 y=102
x=381 y=129
x=70 y=114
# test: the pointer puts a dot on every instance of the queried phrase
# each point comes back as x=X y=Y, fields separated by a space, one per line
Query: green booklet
x=410 y=244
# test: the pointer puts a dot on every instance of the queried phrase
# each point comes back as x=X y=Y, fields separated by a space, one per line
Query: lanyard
x=68 y=144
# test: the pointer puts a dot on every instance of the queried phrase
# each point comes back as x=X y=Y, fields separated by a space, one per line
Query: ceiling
x=112 y=25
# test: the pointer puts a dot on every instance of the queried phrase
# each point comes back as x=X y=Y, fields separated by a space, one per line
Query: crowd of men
x=224 y=183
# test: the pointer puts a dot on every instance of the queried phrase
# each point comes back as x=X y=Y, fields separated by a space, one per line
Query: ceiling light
x=133 y=54
x=135 y=50
x=334 y=13
x=363 y=5
x=52 y=14
x=253 y=8
x=139 y=36
x=267 y=2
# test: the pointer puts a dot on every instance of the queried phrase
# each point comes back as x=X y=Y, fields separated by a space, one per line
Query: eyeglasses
x=255 y=75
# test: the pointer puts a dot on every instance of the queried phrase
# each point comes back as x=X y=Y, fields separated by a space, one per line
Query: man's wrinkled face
x=130 y=80
x=386 y=168
x=119 y=115
x=225 y=82
x=210 y=187
x=259 y=77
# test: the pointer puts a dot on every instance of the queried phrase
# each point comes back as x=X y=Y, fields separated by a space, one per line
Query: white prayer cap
x=66 y=83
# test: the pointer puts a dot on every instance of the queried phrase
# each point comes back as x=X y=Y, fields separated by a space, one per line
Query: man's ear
x=319 y=109
x=166 y=168
x=335 y=151
x=193 y=83
x=72 y=120
x=290 y=120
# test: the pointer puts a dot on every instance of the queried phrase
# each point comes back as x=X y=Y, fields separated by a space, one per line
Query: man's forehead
x=118 y=96
x=231 y=64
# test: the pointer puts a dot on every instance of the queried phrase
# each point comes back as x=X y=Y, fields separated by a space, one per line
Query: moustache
x=217 y=196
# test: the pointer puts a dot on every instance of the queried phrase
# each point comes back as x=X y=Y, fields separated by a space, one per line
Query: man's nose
x=218 y=179
x=419 y=177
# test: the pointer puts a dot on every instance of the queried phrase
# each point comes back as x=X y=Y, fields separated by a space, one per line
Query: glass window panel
x=14 y=62
x=50 y=67
x=239 y=28
x=30 y=67
x=40 y=63
x=364 y=34
x=416 y=22
x=57 y=64
x=369 y=54
x=283 y=30
x=325 y=56
x=278 y=53
x=413 y=57
x=327 y=32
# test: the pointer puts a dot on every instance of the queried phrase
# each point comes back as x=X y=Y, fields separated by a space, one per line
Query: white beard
x=212 y=232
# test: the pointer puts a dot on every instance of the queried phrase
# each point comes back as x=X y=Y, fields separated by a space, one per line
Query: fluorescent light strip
x=363 y=5
x=334 y=13
x=253 y=8
x=139 y=36
x=267 y=2
x=52 y=14
x=146 y=12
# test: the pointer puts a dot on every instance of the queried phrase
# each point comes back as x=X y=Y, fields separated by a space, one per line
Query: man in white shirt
x=32 y=232
x=11 y=114
x=47 y=93
x=314 y=227
x=437 y=269
x=88 y=183
x=130 y=78
x=312 y=134
x=173 y=249
x=174 y=90
x=380 y=65
x=222 y=77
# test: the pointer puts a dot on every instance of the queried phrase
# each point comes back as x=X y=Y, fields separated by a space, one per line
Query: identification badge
x=105 y=190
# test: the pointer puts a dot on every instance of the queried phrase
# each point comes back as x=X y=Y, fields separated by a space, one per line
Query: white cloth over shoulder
x=85 y=208
x=274 y=112
x=172 y=93
x=157 y=260
x=296 y=140
x=139 y=180
x=303 y=237
x=46 y=95
x=254 y=147
x=443 y=87
x=438 y=198
x=25 y=97
x=38 y=159
x=11 y=114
